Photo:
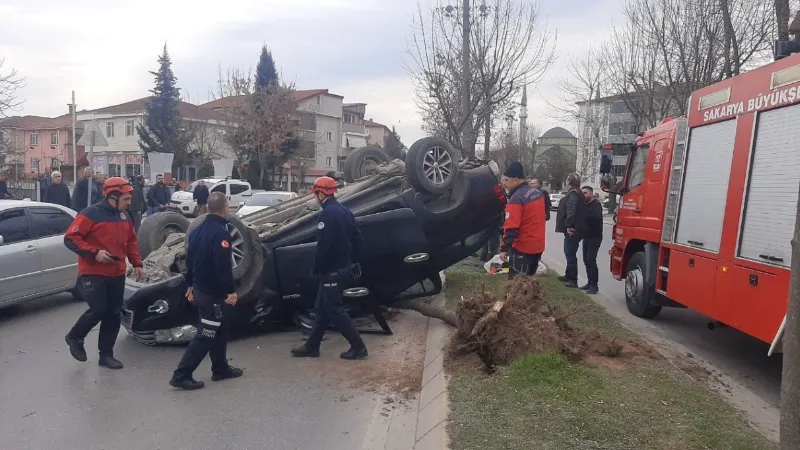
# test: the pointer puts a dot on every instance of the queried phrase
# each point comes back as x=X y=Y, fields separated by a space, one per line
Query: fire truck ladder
x=673 y=201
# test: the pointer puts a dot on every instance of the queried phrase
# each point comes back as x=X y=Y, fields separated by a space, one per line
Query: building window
x=35 y=165
x=330 y=136
x=129 y=128
x=110 y=129
x=54 y=138
x=341 y=164
x=132 y=170
x=114 y=170
x=329 y=162
x=34 y=139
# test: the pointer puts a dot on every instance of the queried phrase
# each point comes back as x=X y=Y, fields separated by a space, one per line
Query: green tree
x=394 y=146
x=266 y=73
x=164 y=130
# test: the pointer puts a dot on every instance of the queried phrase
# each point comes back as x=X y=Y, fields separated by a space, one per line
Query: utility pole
x=467 y=139
x=790 y=379
x=73 y=109
x=90 y=160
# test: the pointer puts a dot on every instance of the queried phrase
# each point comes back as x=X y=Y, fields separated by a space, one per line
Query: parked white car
x=262 y=200
x=237 y=191
x=34 y=262
x=554 y=200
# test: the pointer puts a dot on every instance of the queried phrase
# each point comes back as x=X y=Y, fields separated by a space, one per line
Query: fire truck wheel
x=638 y=296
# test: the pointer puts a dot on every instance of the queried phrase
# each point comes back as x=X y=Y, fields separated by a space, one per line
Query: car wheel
x=155 y=229
x=638 y=296
x=241 y=244
x=432 y=165
x=362 y=162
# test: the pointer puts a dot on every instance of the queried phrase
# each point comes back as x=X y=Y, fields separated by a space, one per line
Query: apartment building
x=34 y=145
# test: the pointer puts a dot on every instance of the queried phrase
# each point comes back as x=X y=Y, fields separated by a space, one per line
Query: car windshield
x=556 y=196
x=267 y=199
x=190 y=188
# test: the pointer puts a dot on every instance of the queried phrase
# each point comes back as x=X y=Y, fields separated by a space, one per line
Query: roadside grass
x=544 y=402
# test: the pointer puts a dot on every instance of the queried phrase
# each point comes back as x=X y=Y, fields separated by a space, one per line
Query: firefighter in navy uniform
x=209 y=275
x=336 y=261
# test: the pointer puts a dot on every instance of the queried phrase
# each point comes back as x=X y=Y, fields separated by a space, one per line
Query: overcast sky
x=356 y=48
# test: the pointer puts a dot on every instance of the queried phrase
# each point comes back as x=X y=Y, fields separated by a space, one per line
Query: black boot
x=189 y=384
x=354 y=353
x=110 y=362
x=585 y=287
x=304 y=351
x=230 y=372
x=76 y=348
x=571 y=284
x=563 y=279
x=593 y=290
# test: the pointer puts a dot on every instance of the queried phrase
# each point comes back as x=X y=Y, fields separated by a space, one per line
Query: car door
x=59 y=264
x=20 y=271
x=238 y=192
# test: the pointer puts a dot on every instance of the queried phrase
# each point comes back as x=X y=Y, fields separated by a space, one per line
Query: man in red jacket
x=103 y=236
x=524 y=228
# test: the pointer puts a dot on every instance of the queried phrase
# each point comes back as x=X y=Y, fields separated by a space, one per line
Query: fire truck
x=709 y=204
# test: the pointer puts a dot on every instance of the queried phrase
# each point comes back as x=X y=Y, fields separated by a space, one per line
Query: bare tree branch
x=10 y=82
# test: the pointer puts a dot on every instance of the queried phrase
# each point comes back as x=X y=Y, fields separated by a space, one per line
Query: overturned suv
x=417 y=217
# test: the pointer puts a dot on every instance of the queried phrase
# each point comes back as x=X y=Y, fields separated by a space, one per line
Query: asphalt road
x=50 y=401
x=746 y=375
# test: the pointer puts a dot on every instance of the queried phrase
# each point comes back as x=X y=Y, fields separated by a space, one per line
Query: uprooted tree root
x=499 y=330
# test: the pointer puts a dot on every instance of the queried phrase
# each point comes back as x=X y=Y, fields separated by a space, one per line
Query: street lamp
x=72 y=110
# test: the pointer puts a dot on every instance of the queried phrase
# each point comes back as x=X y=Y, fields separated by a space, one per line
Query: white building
x=123 y=156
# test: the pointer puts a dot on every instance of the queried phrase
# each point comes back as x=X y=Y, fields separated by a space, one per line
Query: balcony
x=354 y=128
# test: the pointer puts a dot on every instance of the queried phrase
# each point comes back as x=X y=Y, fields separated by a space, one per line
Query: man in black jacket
x=58 y=192
x=200 y=195
x=80 y=199
x=571 y=220
x=536 y=184
x=158 y=196
x=592 y=239
x=138 y=203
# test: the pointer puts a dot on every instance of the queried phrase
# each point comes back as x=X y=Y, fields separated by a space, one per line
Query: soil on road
x=734 y=363
x=50 y=401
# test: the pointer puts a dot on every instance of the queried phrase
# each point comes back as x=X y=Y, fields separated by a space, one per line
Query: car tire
x=155 y=229
x=639 y=297
x=358 y=162
x=242 y=244
x=432 y=165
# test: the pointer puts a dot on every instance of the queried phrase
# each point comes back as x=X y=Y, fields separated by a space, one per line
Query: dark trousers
x=591 y=246
x=491 y=247
x=211 y=338
x=104 y=296
x=329 y=308
x=522 y=263
x=571 y=245
x=137 y=219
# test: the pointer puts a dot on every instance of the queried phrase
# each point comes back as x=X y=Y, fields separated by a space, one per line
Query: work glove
x=355 y=271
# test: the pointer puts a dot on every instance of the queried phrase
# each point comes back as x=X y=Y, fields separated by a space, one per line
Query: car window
x=639 y=163
x=14 y=226
x=267 y=199
x=47 y=222
x=219 y=188
x=238 y=188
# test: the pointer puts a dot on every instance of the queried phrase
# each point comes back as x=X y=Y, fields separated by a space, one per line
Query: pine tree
x=164 y=130
x=266 y=73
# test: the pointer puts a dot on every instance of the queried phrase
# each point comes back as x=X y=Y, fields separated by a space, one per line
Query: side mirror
x=241 y=204
x=605 y=165
x=608 y=183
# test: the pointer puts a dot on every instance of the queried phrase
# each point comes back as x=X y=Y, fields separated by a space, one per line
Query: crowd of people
x=579 y=218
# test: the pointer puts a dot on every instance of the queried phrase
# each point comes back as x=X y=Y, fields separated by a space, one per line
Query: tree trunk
x=790 y=383
x=782 y=16
x=428 y=310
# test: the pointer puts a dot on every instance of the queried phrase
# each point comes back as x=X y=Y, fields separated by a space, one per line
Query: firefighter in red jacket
x=524 y=227
x=103 y=236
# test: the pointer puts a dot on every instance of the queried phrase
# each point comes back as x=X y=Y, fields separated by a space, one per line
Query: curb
x=432 y=410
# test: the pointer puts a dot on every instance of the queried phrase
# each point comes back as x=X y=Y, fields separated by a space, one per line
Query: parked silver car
x=554 y=200
x=34 y=262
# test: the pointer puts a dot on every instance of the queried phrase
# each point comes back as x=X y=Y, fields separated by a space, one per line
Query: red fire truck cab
x=709 y=204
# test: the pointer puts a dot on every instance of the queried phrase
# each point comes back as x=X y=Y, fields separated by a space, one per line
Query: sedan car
x=417 y=218
x=554 y=199
x=34 y=262
x=262 y=200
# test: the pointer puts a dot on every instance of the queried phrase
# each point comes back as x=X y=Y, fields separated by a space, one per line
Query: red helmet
x=326 y=185
x=117 y=185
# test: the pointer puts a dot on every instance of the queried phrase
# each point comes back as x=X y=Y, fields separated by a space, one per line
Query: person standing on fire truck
x=524 y=227
x=336 y=261
x=103 y=236
x=571 y=220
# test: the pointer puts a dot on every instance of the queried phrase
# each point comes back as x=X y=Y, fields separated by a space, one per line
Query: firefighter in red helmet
x=336 y=262
x=103 y=236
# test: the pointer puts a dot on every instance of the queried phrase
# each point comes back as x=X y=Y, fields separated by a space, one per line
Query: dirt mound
x=499 y=330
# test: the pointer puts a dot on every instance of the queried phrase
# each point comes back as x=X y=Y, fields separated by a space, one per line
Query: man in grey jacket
x=571 y=220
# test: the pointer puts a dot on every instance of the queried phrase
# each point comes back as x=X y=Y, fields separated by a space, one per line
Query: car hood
x=245 y=210
x=182 y=195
